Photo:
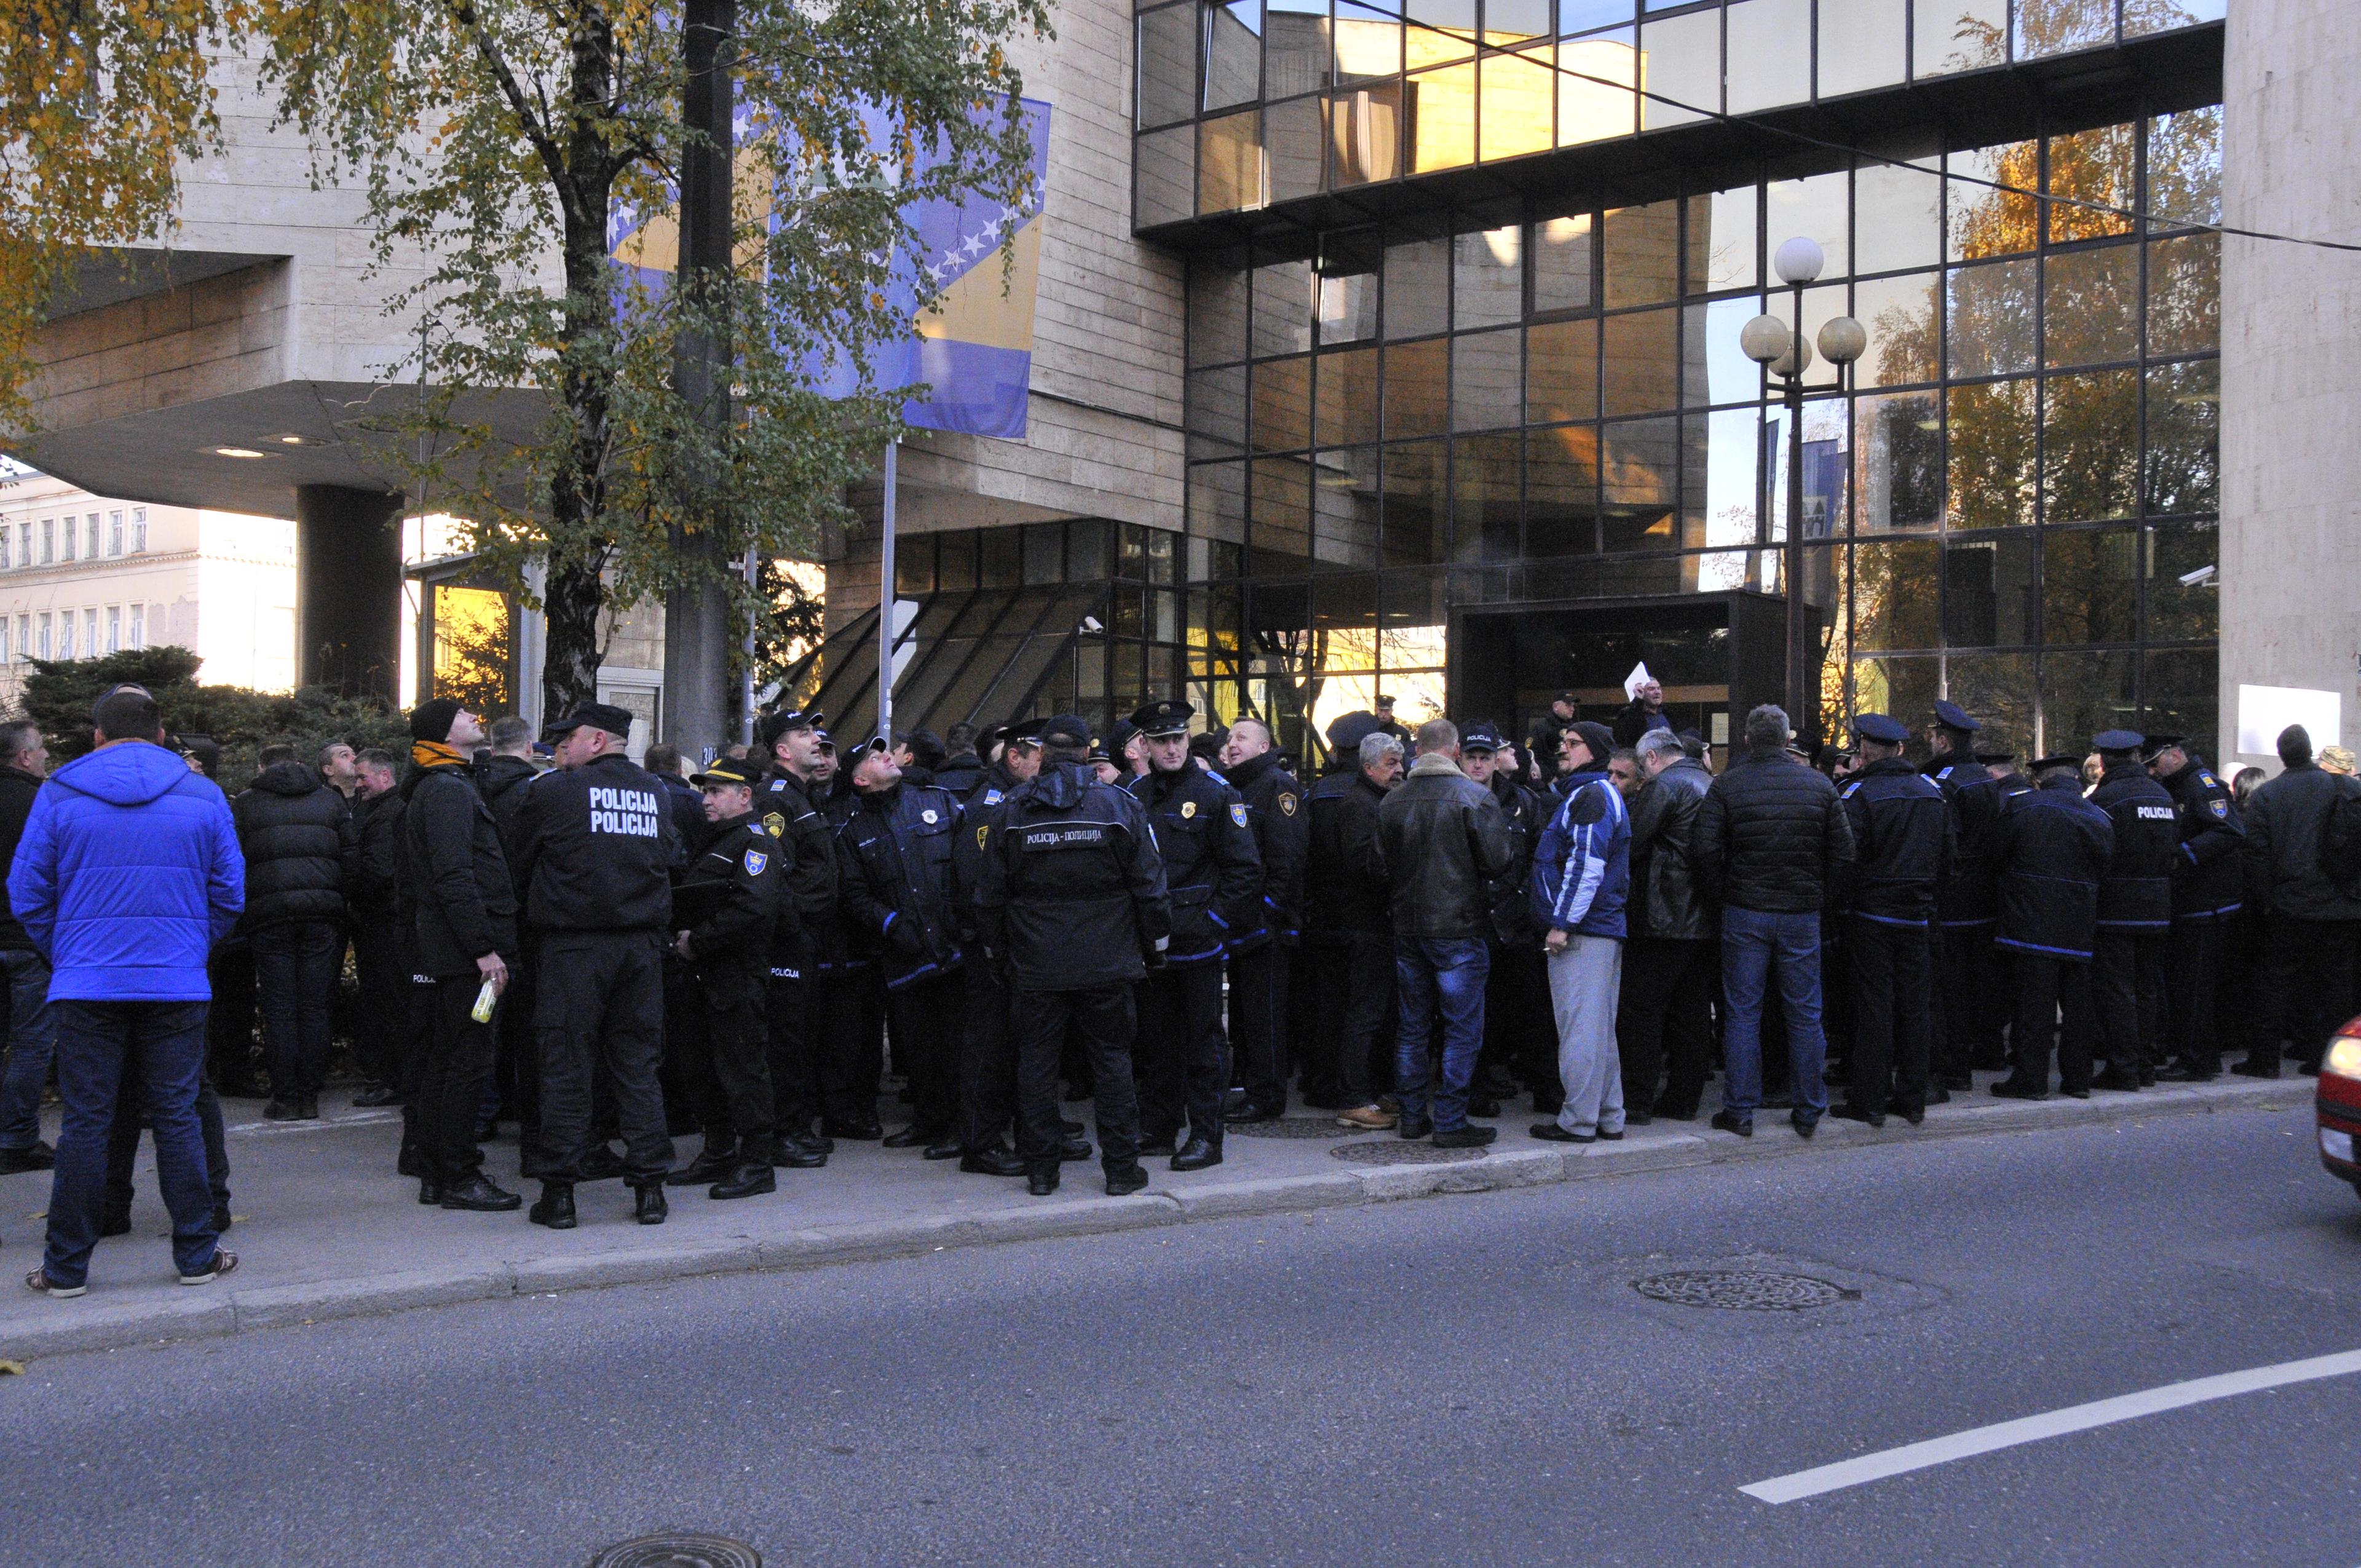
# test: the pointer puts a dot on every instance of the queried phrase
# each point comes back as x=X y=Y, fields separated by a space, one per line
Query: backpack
x=2340 y=839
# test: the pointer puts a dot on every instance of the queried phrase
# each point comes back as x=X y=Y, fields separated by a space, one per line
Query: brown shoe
x=1367 y=1119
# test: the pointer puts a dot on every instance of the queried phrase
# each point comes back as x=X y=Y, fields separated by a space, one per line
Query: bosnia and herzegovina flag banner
x=972 y=348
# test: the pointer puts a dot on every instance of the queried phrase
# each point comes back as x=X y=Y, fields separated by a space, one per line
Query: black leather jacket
x=1665 y=901
x=1772 y=836
x=1443 y=837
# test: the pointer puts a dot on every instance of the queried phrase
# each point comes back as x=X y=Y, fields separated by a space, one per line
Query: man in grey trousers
x=1581 y=873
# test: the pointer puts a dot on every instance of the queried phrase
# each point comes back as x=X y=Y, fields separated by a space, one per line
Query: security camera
x=1091 y=623
x=2197 y=578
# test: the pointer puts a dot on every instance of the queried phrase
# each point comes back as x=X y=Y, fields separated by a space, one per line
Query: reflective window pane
x=1280 y=521
x=2160 y=18
x=2180 y=695
x=1439 y=106
x=2085 y=694
x=1562 y=371
x=1488 y=277
x=1897 y=216
x=2090 y=584
x=1348 y=398
x=1233 y=53
x=1282 y=308
x=1991 y=209
x=1217 y=501
x=1417 y=387
x=1486 y=474
x=1296 y=57
x=1638 y=468
x=1680 y=65
x=2184 y=438
x=1991 y=592
x=1417 y=507
x=1348 y=307
x=1418 y=288
x=1561 y=491
x=1900 y=316
x=1486 y=379
x=1515 y=113
x=1229 y=163
x=1641 y=363
x=2093 y=171
x=1595 y=88
x=1217 y=314
x=2090 y=441
x=1863 y=44
x=1991 y=431
x=1507 y=23
x=1441 y=32
x=1997 y=689
x=1817 y=209
x=1292 y=133
x=2058 y=27
x=2090 y=305
x=1561 y=254
x=1643 y=254
x=1994 y=318
x=1898 y=462
x=1582 y=16
x=1369 y=40
x=1217 y=408
x=1959 y=35
x=2184 y=295
x=1164 y=177
x=1724 y=241
x=1168 y=65
x=1345 y=508
x=1898 y=687
x=1713 y=369
x=1282 y=404
x=1721 y=479
x=2184 y=166
x=1894 y=596
x=1365 y=135
x=2179 y=610
x=1769 y=44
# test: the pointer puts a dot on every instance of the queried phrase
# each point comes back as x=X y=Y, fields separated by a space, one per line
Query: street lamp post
x=1787 y=354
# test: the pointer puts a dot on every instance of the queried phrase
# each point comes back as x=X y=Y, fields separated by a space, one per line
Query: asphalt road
x=1463 y=1380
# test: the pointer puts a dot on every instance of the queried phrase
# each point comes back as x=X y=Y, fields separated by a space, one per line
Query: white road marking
x=2054 y=1423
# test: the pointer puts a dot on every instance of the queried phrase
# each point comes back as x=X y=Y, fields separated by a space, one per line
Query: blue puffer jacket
x=128 y=875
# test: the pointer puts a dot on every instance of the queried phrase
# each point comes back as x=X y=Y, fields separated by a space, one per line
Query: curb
x=80 y=1328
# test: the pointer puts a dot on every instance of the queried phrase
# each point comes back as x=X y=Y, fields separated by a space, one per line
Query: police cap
x=2156 y=746
x=1165 y=715
x=1951 y=716
x=2043 y=765
x=598 y=716
x=1347 y=732
x=1099 y=752
x=1120 y=736
x=1021 y=732
x=786 y=719
x=1991 y=757
x=1480 y=736
x=1066 y=730
x=2118 y=740
x=728 y=771
x=1885 y=731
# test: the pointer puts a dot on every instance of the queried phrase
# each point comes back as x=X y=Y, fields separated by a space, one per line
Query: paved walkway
x=324 y=1229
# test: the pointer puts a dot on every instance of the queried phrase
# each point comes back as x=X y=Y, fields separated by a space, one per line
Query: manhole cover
x=679 y=1552
x=1288 y=1127
x=1742 y=1289
x=1401 y=1151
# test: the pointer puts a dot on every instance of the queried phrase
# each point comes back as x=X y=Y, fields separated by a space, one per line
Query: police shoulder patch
x=1847 y=791
x=1237 y=813
x=2207 y=779
x=774 y=825
x=755 y=861
x=1287 y=803
x=2219 y=806
x=992 y=797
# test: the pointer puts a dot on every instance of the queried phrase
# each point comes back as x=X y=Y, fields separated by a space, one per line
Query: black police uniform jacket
x=2209 y=881
x=979 y=809
x=463 y=903
x=1282 y=836
x=1211 y=874
x=596 y=848
x=1071 y=889
x=1510 y=892
x=1344 y=885
x=2051 y=847
x=1904 y=839
x=1970 y=896
x=730 y=894
x=894 y=866
x=2137 y=893
x=785 y=808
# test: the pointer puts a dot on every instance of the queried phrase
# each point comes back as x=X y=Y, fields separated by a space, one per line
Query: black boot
x=1125 y=1179
x=479 y=1196
x=993 y=1161
x=752 y=1177
x=651 y=1207
x=555 y=1207
x=1041 y=1181
x=430 y=1192
x=1198 y=1154
x=713 y=1163
x=799 y=1153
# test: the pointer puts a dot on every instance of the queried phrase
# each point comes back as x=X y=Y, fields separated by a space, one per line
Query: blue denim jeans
x=161 y=1045
x=1439 y=980
x=32 y=1041
x=1752 y=943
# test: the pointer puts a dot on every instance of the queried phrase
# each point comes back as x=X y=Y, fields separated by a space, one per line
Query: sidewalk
x=324 y=1229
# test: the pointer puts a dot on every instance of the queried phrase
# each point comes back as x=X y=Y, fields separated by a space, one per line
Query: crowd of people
x=1164 y=920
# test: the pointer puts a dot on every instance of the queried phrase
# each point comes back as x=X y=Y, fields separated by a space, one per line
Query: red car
x=2339 y=1104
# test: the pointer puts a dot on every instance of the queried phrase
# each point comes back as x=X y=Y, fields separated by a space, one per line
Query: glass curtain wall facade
x=2009 y=501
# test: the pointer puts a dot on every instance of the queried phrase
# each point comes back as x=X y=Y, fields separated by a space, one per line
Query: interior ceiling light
x=236 y=452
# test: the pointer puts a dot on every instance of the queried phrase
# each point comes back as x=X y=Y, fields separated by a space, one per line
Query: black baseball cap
x=598 y=716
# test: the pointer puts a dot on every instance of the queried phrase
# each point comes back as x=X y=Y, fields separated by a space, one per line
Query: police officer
x=1262 y=954
x=1213 y=878
x=987 y=1049
x=791 y=742
x=894 y=864
x=725 y=909
x=2135 y=911
x=2050 y=849
x=1072 y=892
x=1964 y=1031
x=2207 y=891
x=1905 y=835
x=595 y=852
x=1516 y=988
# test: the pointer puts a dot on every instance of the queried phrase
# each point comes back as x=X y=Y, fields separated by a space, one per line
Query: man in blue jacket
x=1581 y=876
x=127 y=875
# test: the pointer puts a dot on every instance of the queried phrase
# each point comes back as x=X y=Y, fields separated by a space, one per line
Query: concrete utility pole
x=696 y=618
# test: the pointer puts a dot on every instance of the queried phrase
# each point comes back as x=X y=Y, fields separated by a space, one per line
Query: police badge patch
x=755 y=861
x=927 y=817
x=983 y=831
x=1287 y=803
x=2219 y=807
x=774 y=825
x=1188 y=809
x=1238 y=815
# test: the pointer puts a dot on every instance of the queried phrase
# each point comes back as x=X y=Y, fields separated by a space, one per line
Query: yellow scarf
x=435 y=754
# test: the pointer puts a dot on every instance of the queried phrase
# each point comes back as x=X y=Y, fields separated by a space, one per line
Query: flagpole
x=886 y=602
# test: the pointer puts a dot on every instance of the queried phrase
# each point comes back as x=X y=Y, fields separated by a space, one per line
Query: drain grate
x=1744 y=1289
x=1287 y=1127
x=678 y=1552
x=1401 y=1151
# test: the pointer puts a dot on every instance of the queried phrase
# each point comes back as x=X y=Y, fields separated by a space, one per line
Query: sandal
x=224 y=1261
x=38 y=1283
